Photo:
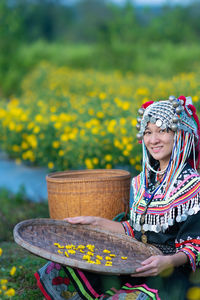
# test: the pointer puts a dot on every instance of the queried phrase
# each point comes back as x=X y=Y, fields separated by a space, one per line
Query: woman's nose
x=154 y=138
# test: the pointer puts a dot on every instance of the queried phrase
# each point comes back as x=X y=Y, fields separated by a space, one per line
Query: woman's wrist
x=109 y=225
x=178 y=259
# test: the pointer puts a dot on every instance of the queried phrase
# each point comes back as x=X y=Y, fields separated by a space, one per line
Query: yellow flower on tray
x=108 y=264
x=68 y=246
x=108 y=258
x=66 y=254
x=99 y=257
x=106 y=251
x=80 y=247
x=72 y=251
x=98 y=262
x=86 y=257
x=112 y=255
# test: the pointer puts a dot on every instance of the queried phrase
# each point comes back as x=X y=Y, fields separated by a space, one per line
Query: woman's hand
x=86 y=220
x=153 y=266
x=99 y=222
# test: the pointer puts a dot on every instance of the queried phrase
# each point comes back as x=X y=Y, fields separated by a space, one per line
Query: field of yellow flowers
x=71 y=119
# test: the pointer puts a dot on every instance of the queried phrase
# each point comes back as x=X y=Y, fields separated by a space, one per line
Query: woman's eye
x=147 y=132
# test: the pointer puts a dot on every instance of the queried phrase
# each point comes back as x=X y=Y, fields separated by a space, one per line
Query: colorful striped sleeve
x=188 y=240
x=127 y=228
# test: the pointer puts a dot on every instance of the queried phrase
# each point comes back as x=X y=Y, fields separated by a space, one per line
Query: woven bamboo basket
x=104 y=193
x=39 y=235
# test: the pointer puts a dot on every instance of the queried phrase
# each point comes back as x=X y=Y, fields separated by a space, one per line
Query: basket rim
x=109 y=175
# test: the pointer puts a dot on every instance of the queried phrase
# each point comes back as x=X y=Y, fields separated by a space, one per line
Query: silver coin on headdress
x=152 y=120
x=163 y=126
x=159 y=123
x=146 y=118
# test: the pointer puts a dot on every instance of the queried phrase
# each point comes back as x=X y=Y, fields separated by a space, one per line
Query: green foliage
x=16 y=208
x=164 y=59
x=11 y=32
x=96 y=34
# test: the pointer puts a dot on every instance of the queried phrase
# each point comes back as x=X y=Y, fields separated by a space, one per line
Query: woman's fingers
x=81 y=220
x=148 y=270
x=148 y=260
x=74 y=220
x=151 y=267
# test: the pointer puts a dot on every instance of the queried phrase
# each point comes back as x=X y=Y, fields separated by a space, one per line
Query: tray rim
x=70 y=262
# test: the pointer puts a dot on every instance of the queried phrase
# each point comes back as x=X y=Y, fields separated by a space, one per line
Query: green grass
x=13 y=209
x=16 y=208
x=27 y=264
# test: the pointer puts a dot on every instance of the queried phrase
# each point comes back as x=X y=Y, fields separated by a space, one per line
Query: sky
x=146 y=2
x=155 y=2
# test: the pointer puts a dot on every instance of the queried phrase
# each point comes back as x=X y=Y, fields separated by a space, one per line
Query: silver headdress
x=174 y=114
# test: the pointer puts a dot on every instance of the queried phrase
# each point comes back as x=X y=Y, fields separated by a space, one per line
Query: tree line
x=127 y=37
x=99 y=21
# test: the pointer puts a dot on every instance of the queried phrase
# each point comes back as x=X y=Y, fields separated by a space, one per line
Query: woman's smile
x=156 y=149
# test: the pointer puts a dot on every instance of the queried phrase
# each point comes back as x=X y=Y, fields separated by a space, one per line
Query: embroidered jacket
x=172 y=224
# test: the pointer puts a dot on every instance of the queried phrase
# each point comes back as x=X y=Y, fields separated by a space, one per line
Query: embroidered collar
x=183 y=200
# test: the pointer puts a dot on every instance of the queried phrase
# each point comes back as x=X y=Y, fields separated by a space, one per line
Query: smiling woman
x=164 y=212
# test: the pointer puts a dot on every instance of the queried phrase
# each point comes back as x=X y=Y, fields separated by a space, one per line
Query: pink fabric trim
x=146 y=287
x=174 y=191
x=115 y=297
x=90 y=288
x=40 y=285
x=178 y=187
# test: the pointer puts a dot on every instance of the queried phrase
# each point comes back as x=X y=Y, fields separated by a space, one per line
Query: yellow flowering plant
x=68 y=118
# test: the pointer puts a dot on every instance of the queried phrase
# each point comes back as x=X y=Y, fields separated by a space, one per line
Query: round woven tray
x=39 y=235
x=101 y=192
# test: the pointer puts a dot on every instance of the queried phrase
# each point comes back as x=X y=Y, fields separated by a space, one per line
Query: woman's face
x=159 y=143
